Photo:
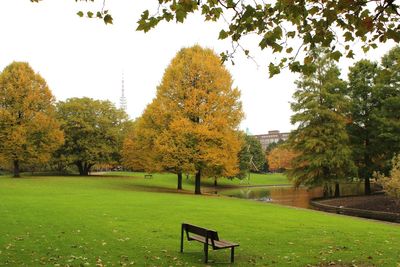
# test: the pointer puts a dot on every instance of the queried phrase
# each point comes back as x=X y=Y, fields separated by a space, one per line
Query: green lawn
x=168 y=180
x=126 y=220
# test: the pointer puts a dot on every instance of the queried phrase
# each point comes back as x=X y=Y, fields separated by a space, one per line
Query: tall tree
x=204 y=110
x=389 y=105
x=94 y=132
x=321 y=140
x=199 y=113
x=364 y=127
x=29 y=130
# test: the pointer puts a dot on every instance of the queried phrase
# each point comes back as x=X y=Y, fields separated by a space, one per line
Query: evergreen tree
x=389 y=106
x=321 y=140
x=364 y=127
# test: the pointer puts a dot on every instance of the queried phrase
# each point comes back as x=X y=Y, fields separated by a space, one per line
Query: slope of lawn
x=111 y=221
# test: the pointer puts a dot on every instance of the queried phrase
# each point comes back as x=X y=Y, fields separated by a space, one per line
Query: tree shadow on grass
x=151 y=188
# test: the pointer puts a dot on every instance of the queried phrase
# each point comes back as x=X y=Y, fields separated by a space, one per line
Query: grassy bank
x=128 y=220
x=169 y=180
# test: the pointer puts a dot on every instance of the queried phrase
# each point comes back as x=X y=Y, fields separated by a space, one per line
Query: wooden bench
x=148 y=176
x=207 y=237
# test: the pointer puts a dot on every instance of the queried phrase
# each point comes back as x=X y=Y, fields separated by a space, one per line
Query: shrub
x=391 y=183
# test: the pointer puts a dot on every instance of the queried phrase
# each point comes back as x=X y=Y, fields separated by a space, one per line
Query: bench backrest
x=197 y=230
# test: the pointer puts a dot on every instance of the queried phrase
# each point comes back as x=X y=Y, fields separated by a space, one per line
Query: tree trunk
x=368 y=163
x=337 y=190
x=179 y=181
x=86 y=168
x=80 y=167
x=215 y=182
x=326 y=191
x=16 y=169
x=367 y=186
x=197 y=190
x=83 y=168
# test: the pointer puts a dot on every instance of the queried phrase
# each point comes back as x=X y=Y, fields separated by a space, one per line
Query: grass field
x=169 y=180
x=117 y=220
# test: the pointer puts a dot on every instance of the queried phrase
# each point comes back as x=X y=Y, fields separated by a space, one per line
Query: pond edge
x=376 y=215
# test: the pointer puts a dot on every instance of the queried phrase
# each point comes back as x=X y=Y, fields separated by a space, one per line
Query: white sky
x=81 y=57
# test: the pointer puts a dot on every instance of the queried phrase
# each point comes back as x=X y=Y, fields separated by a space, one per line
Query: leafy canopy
x=288 y=27
x=94 y=131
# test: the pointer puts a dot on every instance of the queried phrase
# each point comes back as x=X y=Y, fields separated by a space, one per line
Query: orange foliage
x=191 y=124
x=29 y=131
x=280 y=158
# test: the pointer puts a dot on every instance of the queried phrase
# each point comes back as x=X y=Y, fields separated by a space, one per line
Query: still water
x=287 y=195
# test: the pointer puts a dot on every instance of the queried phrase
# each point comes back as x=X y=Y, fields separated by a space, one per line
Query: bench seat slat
x=218 y=243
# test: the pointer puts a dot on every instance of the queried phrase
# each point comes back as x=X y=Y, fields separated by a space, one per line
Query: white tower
x=123 y=104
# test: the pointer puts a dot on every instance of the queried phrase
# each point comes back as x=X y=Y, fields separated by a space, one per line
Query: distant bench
x=208 y=238
x=148 y=176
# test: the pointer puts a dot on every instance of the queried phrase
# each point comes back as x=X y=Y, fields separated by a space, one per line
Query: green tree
x=289 y=27
x=364 y=127
x=389 y=106
x=94 y=132
x=29 y=130
x=251 y=156
x=320 y=142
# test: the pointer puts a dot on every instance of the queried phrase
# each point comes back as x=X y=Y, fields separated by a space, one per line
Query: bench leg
x=182 y=234
x=205 y=253
x=232 y=254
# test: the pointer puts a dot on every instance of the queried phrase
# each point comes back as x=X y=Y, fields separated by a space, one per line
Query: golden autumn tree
x=280 y=158
x=29 y=131
x=138 y=150
x=201 y=112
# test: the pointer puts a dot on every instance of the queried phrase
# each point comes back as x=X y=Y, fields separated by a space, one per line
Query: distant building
x=271 y=137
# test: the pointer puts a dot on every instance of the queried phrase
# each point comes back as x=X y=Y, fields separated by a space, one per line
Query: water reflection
x=288 y=195
x=285 y=195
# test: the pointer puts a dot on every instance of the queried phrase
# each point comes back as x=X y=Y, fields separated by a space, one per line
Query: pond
x=287 y=195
